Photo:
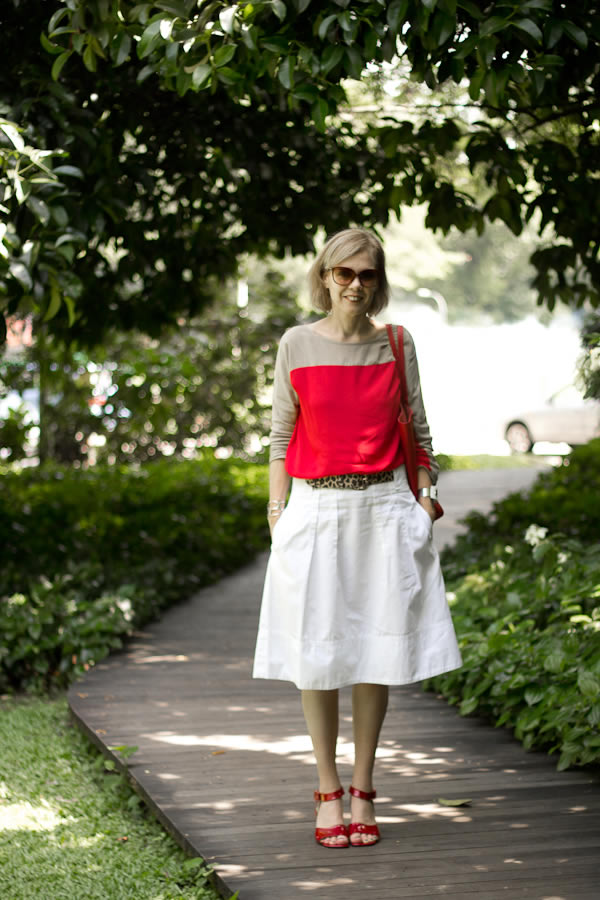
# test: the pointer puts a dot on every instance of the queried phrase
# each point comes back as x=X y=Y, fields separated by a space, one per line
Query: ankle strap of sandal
x=364 y=795
x=334 y=795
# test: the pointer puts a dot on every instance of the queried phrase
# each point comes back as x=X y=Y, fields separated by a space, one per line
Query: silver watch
x=429 y=492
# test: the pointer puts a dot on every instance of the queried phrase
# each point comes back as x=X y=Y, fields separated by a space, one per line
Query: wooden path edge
x=159 y=814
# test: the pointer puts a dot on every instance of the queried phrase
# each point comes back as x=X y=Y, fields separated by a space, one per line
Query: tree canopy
x=160 y=140
x=530 y=67
x=128 y=205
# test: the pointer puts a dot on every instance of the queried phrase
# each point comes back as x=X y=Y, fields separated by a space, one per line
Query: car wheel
x=518 y=438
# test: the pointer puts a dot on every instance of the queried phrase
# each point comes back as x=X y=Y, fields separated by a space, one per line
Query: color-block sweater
x=335 y=405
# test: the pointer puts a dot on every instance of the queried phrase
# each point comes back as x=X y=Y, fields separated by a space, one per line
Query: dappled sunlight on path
x=225 y=763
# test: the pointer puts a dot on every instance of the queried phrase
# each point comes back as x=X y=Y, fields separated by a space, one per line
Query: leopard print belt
x=355 y=481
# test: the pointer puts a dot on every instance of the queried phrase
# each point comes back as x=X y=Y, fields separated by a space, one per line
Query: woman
x=353 y=593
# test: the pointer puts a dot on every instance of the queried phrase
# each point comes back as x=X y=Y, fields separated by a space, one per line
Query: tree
x=204 y=383
x=147 y=198
x=531 y=69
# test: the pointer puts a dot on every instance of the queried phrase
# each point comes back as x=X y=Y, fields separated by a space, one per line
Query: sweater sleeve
x=285 y=404
x=425 y=457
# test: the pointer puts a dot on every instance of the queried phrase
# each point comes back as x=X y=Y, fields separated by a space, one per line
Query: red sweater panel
x=347 y=421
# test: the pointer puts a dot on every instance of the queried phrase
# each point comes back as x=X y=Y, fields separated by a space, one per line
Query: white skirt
x=354 y=591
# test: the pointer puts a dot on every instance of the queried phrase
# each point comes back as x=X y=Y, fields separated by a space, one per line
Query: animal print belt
x=355 y=481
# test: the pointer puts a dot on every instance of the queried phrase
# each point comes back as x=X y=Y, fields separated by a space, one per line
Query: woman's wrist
x=275 y=508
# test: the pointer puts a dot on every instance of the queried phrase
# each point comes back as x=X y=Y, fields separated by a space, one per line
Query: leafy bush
x=87 y=556
x=561 y=499
x=529 y=631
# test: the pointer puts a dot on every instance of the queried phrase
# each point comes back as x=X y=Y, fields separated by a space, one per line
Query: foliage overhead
x=138 y=398
x=127 y=205
x=144 y=146
x=531 y=68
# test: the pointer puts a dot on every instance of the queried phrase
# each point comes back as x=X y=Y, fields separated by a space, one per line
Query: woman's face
x=354 y=298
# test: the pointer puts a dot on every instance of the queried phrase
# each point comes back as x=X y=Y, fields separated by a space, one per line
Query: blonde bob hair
x=342 y=246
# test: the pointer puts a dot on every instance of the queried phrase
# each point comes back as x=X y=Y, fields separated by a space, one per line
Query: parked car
x=565 y=418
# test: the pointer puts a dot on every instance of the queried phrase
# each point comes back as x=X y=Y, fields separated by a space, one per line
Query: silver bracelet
x=430 y=492
x=275 y=507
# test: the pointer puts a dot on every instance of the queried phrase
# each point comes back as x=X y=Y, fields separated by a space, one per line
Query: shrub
x=529 y=631
x=86 y=556
x=561 y=499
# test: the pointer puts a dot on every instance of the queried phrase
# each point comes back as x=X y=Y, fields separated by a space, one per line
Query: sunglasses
x=344 y=276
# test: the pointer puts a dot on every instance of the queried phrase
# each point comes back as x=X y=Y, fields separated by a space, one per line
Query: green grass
x=71 y=829
x=486 y=461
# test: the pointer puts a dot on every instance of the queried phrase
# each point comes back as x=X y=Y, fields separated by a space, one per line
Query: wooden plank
x=182 y=692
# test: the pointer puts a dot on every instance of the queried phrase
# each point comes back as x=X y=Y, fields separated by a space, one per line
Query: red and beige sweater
x=335 y=405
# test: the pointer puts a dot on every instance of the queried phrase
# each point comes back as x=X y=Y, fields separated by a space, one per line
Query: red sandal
x=358 y=827
x=335 y=830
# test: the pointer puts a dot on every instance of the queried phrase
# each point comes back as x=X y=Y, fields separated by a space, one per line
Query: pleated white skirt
x=354 y=591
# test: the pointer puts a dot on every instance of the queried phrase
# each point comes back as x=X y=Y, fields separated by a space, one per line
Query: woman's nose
x=355 y=281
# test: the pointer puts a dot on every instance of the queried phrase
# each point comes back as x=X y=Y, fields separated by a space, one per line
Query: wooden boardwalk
x=224 y=762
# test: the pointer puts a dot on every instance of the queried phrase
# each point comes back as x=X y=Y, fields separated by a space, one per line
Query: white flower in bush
x=535 y=534
x=126 y=608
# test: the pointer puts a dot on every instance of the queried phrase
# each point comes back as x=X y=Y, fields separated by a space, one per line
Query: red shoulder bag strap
x=405 y=416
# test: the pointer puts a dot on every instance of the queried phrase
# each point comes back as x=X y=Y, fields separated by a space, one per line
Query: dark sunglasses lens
x=368 y=277
x=342 y=275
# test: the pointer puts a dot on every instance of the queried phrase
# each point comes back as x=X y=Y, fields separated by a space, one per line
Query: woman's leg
x=369 y=705
x=321 y=715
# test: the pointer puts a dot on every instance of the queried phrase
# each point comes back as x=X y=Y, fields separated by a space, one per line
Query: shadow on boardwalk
x=224 y=762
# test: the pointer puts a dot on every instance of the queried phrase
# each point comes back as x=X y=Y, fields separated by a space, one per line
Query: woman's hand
x=427 y=504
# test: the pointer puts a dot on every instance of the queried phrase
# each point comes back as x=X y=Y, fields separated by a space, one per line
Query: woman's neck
x=347 y=328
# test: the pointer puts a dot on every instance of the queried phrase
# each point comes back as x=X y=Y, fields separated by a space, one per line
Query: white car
x=565 y=418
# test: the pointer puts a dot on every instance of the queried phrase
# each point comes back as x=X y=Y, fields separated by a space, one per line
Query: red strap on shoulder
x=397 y=345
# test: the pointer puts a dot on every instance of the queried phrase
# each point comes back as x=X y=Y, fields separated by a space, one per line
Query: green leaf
x=39 y=209
x=355 y=62
x=121 y=48
x=576 y=34
x=286 y=72
x=59 y=63
x=302 y=5
x=228 y=75
x=144 y=73
x=471 y=8
x=49 y=46
x=60 y=215
x=492 y=25
x=74 y=171
x=333 y=55
x=201 y=75
x=149 y=38
x=319 y=110
x=21 y=274
x=325 y=25
x=224 y=55
x=89 y=58
x=534 y=695
x=588 y=684
x=530 y=28
x=468 y=706
x=55 y=301
x=553 y=33
x=448 y=802
x=279 y=8
x=181 y=9
x=69 y=303
x=396 y=14
x=429 y=4
x=307 y=92
x=55 y=18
